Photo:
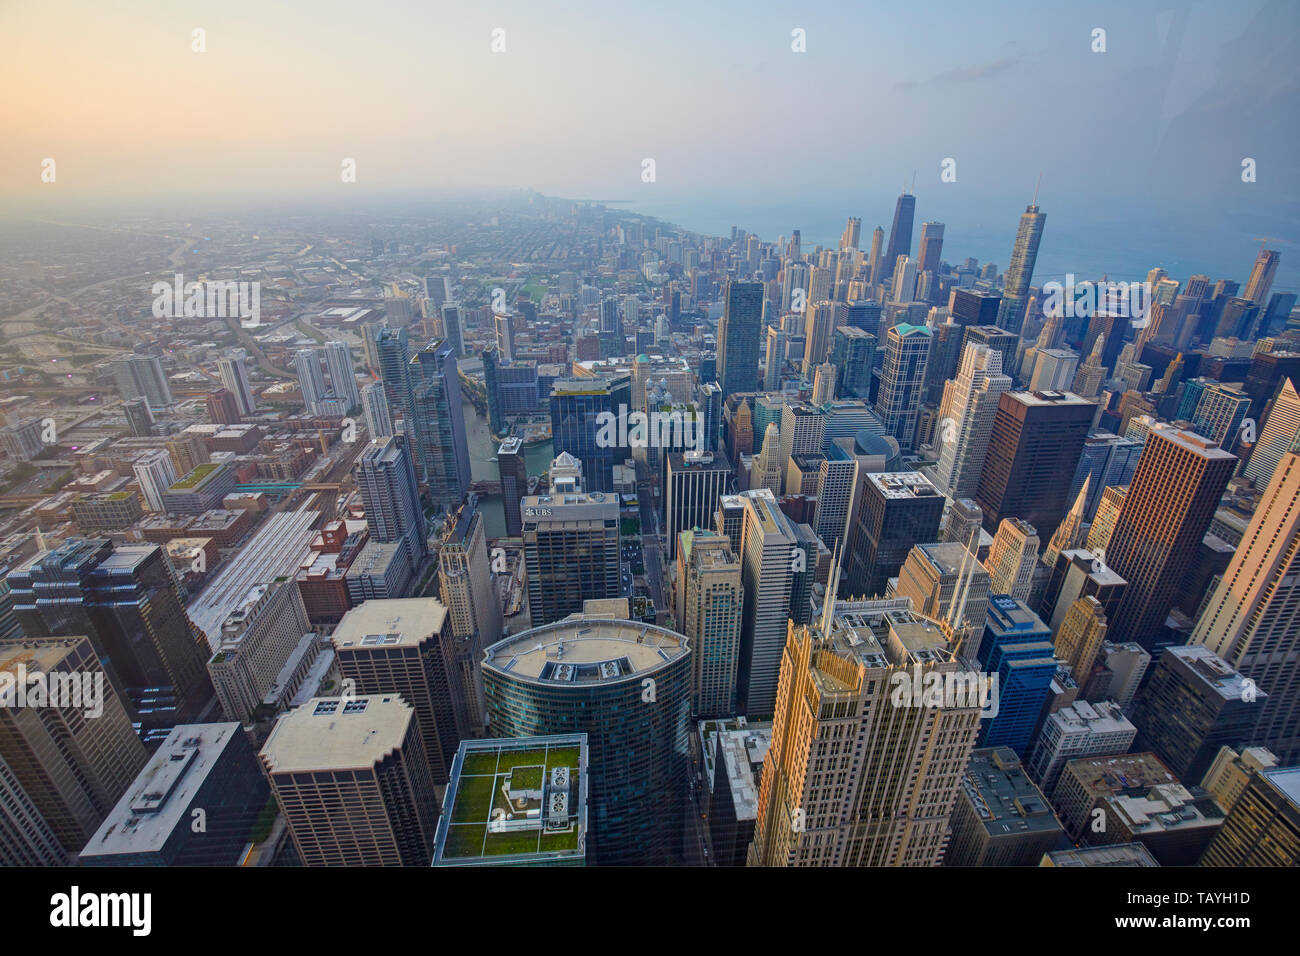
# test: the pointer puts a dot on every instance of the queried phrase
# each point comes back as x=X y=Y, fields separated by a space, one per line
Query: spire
x=832 y=591
x=1076 y=511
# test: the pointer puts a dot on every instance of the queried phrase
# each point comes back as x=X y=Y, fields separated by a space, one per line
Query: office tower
x=139 y=419
x=1261 y=277
x=946 y=582
x=1174 y=493
x=379 y=417
x=1012 y=558
x=695 y=482
x=611 y=333
x=1033 y=452
x=846 y=689
x=837 y=482
x=710 y=402
x=902 y=381
x=1230 y=773
x=796 y=277
x=127 y=601
x=234 y=377
x=1252 y=618
x=441 y=447
x=895 y=510
x=774 y=358
x=1280 y=435
x=1072 y=531
x=852 y=231
x=1103 y=523
x=571 y=552
x=739 y=335
x=930 y=248
x=627 y=686
x=474 y=609
x=351 y=777
x=586 y=418
x=391 y=497
x=1193 y=704
x=1090 y=375
x=142 y=376
x=729 y=520
x=1054 y=370
x=864 y=314
x=875 y=257
x=72 y=761
x=971 y=308
x=1125 y=854
x=503 y=325
x=197 y=802
x=1017 y=647
x=852 y=353
x=1080 y=730
x=769 y=560
x=1220 y=410
x=452 y=331
x=565 y=475
x=904 y=284
x=311 y=380
x=1263 y=828
x=803 y=432
x=343 y=380
x=734 y=753
x=710 y=601
x=1122 y=668
x=1107 y=461
x=819 y=324
x=155 y=474
x=1000 y=818
x=535 y=811
x=970 y=404
x=257 y=639
x=222 y=409
x=394 y=356
x=436 y=290
x=823 y=384
x=25 y=838
x=766 y=471
x=963 y=524
x=1011 y=315
x=821 y=282
x=900 y=235
x=513 y=471
x=1079 y=637
x=1281 y=305
x=406 y=646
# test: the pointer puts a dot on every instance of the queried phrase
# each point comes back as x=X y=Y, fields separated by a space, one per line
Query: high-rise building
x=852 y=231
x=311 y=382
x=970 y=404
x=571 y=552
x=72 y=763
x=739 y=335
x=391 y=497
x=1174 y=494
x=1012 y=559
x=513 y=471
x=440 y=444
x=1080 y=730
x=343 y=380
x=1011 y=314
x=474 y=609
x=895 y=510
x=585 y=422
x=1280 y=435
x=25 y=838
x=710 y=602
x=142 y=376
x=394 y=355
x=1033 y=453
x=1261 y=277
x=768 y=561
x=379 y=417
x=946 y=582
x=1263 y=828
x=1252 y=618
x=1079 y=637
x=127 y=601
x=257 y=639
x=862 y=771
x=852 y=353
x=155 y=474
x=1000 y=818
x=234 y=376
x=351 y=777
x=1192 y=705
x=930 y=248
x=138 y=417
x=222 y=408
x=695 y=482
x=627 y=686
x=406 y=646
x=201 y=772
x=1107 y=460
x=1017 y=647
x=451 y=328
x=902 y=381
x=823 y=383
x=900 y=235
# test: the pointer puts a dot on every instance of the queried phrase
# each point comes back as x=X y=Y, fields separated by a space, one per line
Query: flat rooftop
x=1003 y=797
x=1119 y=854
x=903 y=484
x=402 y=621
x=515 y=800
x=586 y=650
x=338 y=733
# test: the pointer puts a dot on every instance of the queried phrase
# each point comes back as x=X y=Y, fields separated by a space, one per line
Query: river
x=483 y=466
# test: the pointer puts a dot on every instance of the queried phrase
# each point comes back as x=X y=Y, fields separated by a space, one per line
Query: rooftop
x=584 y=649
x=400 y=621
x=338 y=733
x=1005 y=799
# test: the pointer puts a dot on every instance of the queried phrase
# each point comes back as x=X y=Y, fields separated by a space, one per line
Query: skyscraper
x=513 y=470
x=1011 y=315
x=351 y=777
x=1078 y=639
x=900 y=235
x=852 y=353
x=311 y=381
x=895 y=510
x=739 y=335
x=395 y=371
x=930 y=247
x=379 y=417
x=1033 y=453
x=1280 y=435
x=155 y=474
x=710 y=601
x=1174 y=493
x=391 y=496
x=1252 y=619
x=571 y=552
x=451 y=328
x=1012 y=558
x=343 y=380
x=474 y=610
x=862 y=772
x=1263 y=828
x=142 y=376
x=627 y=686
x=441 y=446
x=970 y=404
x=1016 y=646
x=902 y=381
x=234 y=376
x=585 y=417
x=768 y=561
x=1261 y=277
x=695 y=482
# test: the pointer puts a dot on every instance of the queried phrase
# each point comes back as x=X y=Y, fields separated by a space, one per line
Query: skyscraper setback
x=1011 y=315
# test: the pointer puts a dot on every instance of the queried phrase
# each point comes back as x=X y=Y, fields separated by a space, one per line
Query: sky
x=584 y=92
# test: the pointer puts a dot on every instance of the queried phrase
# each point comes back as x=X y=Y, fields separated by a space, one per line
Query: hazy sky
x=711 y=91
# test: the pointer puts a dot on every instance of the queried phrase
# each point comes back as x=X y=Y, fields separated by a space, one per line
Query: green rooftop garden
x=194 y=477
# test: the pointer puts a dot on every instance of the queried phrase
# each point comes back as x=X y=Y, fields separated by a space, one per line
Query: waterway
x=483 y=466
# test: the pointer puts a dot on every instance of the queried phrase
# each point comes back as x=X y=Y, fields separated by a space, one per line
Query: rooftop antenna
x=1036 y=185
x=914 y=182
